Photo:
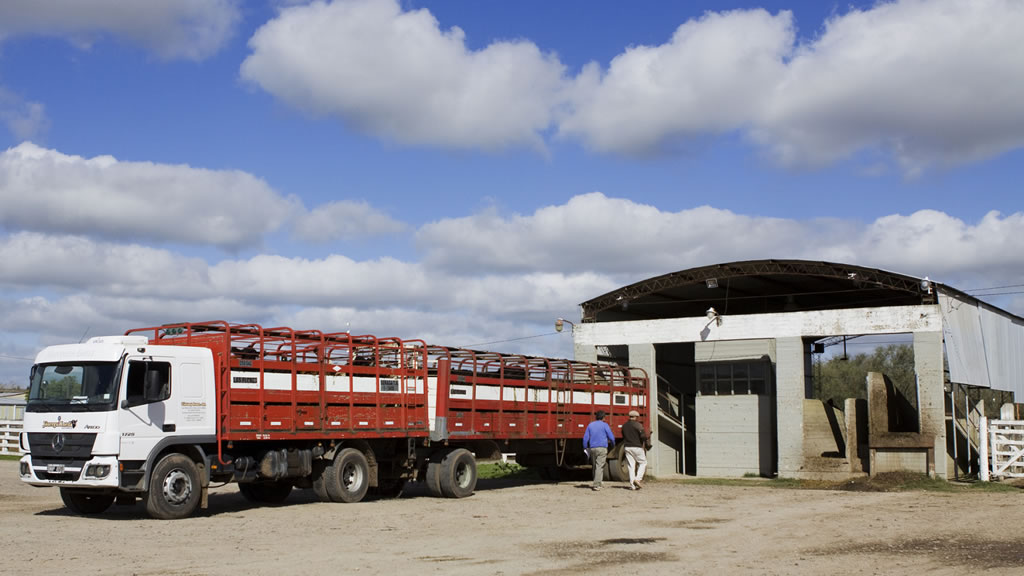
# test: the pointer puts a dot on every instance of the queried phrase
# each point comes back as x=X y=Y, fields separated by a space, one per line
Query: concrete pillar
x=643 y=356
x=789 y=398
x=931 y=393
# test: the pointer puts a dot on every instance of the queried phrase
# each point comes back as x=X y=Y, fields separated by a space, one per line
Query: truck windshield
x=74 y=387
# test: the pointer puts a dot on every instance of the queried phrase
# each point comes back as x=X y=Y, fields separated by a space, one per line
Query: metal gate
x=1002 y=448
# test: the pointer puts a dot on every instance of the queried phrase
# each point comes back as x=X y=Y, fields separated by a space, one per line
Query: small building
x=729 y=350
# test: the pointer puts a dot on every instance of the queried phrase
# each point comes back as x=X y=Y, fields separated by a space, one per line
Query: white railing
x=9 y=432
x=1002 y=449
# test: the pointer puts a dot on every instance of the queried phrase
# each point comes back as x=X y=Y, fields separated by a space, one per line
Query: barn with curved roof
x=732 y=348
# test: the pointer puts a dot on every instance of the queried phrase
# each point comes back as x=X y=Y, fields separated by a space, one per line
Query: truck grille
x=69 y=451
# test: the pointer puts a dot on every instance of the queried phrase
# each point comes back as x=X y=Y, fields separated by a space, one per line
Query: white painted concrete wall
x=733 y=436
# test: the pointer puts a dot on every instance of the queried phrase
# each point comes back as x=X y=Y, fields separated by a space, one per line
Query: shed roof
x=761 y=286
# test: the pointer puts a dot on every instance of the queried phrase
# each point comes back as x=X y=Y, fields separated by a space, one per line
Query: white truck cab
x=100 y=412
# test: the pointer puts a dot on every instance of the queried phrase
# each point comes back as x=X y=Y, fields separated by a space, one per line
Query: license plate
x=55 y=468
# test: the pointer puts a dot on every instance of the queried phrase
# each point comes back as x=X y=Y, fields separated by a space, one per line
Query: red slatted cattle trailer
x=343 y=414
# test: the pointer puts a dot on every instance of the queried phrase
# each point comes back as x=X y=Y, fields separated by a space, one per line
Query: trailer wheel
x=266 y=492
x=458 y=473
x=618 y=469
x=84 y=503
x=320 y=480
x=174 y=488
x=348 y=477
x=434 y=479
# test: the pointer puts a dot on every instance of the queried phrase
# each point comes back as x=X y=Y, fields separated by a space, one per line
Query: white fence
x=1002 y=449
x=9 y=432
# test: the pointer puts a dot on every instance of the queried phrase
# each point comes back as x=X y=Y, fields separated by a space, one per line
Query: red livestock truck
x=160 y=413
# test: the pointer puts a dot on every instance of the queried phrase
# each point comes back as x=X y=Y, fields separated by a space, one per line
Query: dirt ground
x=540 y=529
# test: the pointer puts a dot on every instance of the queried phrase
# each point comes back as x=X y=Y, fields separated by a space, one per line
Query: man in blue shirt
x=597 y=439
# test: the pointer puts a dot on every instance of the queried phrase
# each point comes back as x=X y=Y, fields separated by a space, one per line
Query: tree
x=840 y=378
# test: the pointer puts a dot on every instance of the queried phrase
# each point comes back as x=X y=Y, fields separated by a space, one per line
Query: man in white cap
x=634 y=438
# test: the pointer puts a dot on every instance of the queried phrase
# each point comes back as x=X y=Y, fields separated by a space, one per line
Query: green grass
x=503 y=470
x=10 y=457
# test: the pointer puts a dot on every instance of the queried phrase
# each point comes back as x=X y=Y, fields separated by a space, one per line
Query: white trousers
x=636 y=460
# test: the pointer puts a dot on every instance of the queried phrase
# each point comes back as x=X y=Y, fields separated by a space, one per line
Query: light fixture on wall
x=561 y=322
x=711 y=282
x=713 y=316
x=926 y=285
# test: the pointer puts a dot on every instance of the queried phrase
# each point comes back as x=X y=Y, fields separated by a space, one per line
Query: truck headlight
x=97 y=470
x=23 y=468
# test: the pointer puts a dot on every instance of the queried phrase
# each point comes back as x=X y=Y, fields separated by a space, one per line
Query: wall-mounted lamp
x=711 y=282
x=926 y=285
x=561 y=322
x=713 y=316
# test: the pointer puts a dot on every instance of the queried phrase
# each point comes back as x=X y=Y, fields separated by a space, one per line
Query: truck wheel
x=618 y=469
x=458 y=473
x=174 y=488
x=266 y=492
x=85 y=503
x=348 y=478
x=320 y=480
x=434 y=479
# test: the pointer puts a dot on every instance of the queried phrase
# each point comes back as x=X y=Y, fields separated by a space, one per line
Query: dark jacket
x=633 y=435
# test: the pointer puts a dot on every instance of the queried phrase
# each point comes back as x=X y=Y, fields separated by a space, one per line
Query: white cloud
x=24 y=119
x=920 y=82
x=47 y=191
x=924 y=82
x=594 y=232
x=483 y=278
x=622 y=241
x=713 y=76
x=396 y=74
x=344 y=220
x=929 y=82
x=171 y=29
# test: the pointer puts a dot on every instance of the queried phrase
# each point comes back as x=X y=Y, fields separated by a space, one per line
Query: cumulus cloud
x=927 y=81
x=623 y=239
x=920 y=82
x=47 y=191
x=24 y=119
x=398 y=75
x=483 y=278
x=713 y=76
x=594 y=232
x=171 y=29
x=344 y=220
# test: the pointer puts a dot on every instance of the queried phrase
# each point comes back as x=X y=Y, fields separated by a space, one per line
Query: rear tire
x=348 y=477
x=174 y=488
x=458 y=474
x=84 y=503
x=266 y=492
x=618 y=469
x=434 y=479
x=320 y=479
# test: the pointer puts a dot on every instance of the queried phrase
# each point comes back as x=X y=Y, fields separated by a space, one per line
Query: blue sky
x=465 y=172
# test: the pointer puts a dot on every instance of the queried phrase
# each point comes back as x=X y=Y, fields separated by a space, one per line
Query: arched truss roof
x=759 y=286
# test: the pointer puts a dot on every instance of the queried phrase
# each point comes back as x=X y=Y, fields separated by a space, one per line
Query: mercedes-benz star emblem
x=58 y=442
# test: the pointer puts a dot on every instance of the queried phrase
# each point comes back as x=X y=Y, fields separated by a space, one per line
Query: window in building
x=728 y=378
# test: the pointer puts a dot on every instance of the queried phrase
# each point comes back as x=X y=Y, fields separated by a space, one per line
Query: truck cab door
x=144 y=406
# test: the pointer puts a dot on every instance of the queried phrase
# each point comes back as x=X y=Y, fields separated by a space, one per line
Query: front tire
x=84 y=503
x=348 y=478
x=174 y=488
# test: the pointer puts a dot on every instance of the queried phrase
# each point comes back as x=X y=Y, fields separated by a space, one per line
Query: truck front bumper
x=97 y=472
